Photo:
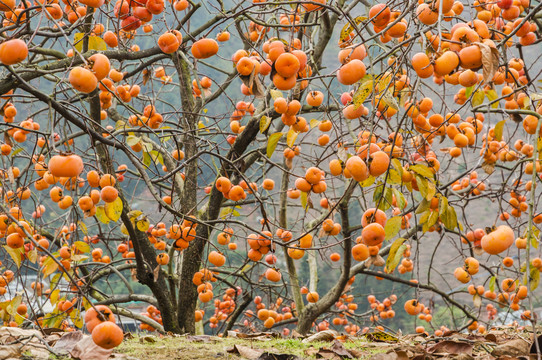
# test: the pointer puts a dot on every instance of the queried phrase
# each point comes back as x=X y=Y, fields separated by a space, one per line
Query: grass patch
x=180 y=348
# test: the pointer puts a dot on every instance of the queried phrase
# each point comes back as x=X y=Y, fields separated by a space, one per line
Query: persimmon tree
x=211 y=149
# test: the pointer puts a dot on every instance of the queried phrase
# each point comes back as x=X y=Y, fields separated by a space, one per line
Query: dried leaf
x=326 y=335
x=245 y=351
x=515 y=347
x=451 y=347
x=490 y=61
x=86 y=349
x=488 y=167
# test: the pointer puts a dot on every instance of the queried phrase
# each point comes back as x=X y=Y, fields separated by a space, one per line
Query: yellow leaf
x=101 y=216
x=393 y=226
x=114 y=209
x=16 y=254
x=264 y=123
x=81 y=246
x=272 y=143
x=314 y=123
x=49 y=266
x=54 y=296
x=362 y=93
x=143 y=225
x=76 y=318
x=384 y=81
x=367 y=182
x=291 y=136
x=33 y=256
x=348 y=28
x=83 y=227
x=275 y=94
x=94 y=42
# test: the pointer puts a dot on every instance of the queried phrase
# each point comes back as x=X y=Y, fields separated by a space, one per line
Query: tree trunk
x=313 y=310
x=144 y=251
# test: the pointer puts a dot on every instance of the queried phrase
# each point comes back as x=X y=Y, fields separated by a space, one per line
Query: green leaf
x=272 y=143
x=363 y=91
x=264 y=123
x=54 y=281
x=114 y=209
x=499 y=129
x=468 y=91
x=477 y=98
x=132 y=140
x=422 y=170
x=16 y=152
x=101 y=216
x=383 y=81
x=94 y=42
x=291 y=136
x=396 y=252
x=16 y=254
x=146 y=159
x=393 y=226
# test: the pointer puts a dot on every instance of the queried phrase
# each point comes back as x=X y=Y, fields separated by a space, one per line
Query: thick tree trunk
x=191 y=257
x=144 y=251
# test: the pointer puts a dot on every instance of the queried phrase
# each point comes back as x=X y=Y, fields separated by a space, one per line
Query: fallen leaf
x=86 y=349
x=515 y=347
x=335 y=352
x=451 y=347
x=67 y=342
x=272 y=356
x=326 y=335
x=147 y=339
x=245 y=351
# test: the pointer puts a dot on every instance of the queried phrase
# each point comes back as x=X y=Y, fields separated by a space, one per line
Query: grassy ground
x=181 y=348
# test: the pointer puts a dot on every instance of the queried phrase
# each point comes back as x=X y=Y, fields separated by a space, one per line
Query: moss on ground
x=181 y=348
